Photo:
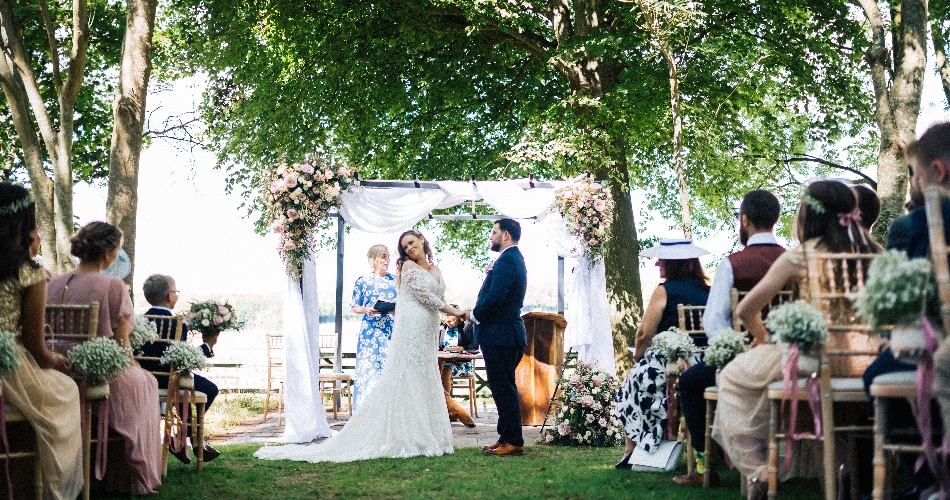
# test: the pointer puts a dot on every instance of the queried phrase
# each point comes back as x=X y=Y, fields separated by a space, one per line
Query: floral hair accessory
x=815 y=205
x=848 y=218
x=17 y=205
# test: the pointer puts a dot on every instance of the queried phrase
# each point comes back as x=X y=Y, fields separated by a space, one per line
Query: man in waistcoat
x=742 y=270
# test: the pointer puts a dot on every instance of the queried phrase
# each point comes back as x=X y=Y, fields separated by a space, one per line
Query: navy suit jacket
x=498 y=308
x=157 y=349
x=910 y=234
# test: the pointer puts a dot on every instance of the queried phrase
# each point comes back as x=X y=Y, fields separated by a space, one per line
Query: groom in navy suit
x=500 y=331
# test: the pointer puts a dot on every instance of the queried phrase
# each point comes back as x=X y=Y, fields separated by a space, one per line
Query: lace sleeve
x=414 y=281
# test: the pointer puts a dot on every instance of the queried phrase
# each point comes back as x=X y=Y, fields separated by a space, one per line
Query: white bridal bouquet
x=798 y=323
x=727 y=344
x=896 y=291
x=584 y=417
x=674 y=344
x=183 y=357
x=99 y=360
x=9 y=361
x=143 y=333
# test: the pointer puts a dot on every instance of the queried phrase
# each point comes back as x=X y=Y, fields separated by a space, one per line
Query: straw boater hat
x=674 y=249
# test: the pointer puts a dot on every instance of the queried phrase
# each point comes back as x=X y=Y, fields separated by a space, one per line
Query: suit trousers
x=500 y=365
x=693 y=383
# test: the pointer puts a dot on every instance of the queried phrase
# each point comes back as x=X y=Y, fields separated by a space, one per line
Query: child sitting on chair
x=458 y=335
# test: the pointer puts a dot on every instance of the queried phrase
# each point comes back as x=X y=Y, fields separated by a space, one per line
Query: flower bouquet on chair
x=96 y=362
x=897 y=293
x=726 y=345
x=676 y=346
x=801 y=327
x=183 y=358
x=143 y=333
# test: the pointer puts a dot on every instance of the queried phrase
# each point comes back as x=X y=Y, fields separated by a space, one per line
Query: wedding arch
x=390 y=206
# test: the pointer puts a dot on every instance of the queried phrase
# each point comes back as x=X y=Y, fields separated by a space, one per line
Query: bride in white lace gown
x=405 y=415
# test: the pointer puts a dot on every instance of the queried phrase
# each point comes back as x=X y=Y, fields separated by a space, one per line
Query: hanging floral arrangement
x=297 y=202
x=588 y=209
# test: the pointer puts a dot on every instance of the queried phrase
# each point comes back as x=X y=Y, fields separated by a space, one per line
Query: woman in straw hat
x=641 y=401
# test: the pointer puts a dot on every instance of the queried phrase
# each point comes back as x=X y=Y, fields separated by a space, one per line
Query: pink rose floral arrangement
x=588 y=210
x=582 y=410
x=296 y=203
x=211 y=318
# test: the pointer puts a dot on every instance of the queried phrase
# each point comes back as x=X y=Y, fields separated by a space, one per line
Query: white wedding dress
x=405 y=415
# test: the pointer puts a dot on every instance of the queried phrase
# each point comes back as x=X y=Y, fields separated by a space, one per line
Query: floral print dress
x=375 y=332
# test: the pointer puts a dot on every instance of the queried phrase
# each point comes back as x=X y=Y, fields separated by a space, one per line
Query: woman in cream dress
x=48 y=398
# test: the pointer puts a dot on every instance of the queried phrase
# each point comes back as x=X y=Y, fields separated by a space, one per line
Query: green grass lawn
x=543 y=472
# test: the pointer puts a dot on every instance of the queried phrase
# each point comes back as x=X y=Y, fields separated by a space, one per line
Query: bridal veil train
x=405 y=415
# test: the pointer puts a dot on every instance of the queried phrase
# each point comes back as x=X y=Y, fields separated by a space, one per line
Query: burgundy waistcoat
x=751 y=263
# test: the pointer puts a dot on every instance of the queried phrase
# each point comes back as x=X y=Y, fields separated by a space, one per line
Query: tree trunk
x=897 y=100
x=129 y=118
x=685 y=217
x=940 y=49
x=55 y=202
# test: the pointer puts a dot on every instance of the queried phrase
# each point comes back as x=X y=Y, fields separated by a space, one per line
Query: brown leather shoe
x=696 y=479
x=492 y=446
x=506 y=449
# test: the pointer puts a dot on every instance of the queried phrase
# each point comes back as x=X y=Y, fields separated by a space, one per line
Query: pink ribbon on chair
x=790 y=377
x=6 y=444
x=925 y=381
x=102 y=431
x=178 y=437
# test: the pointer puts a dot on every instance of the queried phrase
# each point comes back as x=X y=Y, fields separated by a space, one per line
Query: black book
x=383 y=306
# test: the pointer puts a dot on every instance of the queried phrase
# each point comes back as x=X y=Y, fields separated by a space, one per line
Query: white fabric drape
x=512 y=201
x=304 y=415
x=588 y=313
x=391 y=210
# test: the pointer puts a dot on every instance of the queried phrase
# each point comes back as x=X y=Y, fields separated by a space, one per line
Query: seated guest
x=742 y=270
x=39 y=388
x=825 y=222
x=641 y=401
x=928 y=161
x=160 y=292
x=456 y=334
x=133 y=396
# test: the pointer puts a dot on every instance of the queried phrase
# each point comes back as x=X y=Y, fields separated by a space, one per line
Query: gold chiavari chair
x=832 y=284
x=275 y=374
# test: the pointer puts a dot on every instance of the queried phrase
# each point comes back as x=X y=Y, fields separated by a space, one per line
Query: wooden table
x=445 y=371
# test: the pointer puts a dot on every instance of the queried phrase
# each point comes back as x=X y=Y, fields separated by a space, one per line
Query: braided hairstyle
x=15 y=229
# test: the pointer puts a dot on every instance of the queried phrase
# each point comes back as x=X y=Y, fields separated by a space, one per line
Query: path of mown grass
x=544 y=472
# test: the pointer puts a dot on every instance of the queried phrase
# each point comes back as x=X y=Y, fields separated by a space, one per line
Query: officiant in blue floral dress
x=376 y=328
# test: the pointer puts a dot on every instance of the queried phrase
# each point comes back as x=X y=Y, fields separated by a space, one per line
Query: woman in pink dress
x=133 y=398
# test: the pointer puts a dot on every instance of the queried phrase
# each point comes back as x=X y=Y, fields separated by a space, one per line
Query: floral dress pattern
x=450 y=338
x=375 y=332
x=641 y=401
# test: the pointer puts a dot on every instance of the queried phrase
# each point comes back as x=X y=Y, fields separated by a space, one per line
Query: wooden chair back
x=169 y=329
x=832 y=283
x=780 y=298
x=934 y=198
x=691 y=322
x=68 y=325
x=275 y=355
x=328 y=345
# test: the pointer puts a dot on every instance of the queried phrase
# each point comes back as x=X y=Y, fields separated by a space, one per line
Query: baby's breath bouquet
x=183 y=357
x=798 y=323
x=674 y=344
x=584 y=416
x=99 y=361
x=9 y=360
x=896 y=291
x=727 y=344
x=144 y=332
